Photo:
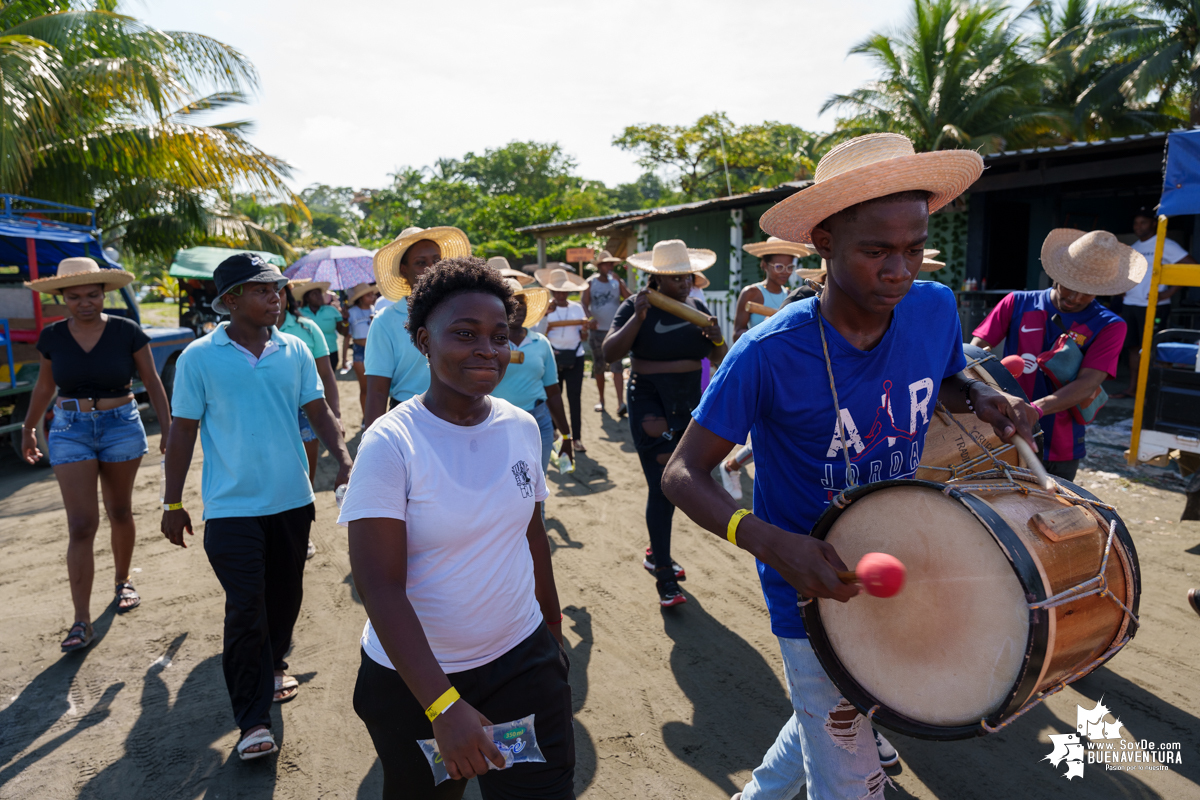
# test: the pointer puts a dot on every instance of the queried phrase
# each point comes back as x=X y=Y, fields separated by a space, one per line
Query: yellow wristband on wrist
x=172 y=506
x=731 y=530
x=442 y=704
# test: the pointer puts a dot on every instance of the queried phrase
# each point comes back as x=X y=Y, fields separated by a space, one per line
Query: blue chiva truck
x=34 y=236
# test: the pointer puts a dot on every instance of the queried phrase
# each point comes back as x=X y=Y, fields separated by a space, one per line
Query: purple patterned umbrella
x=344 y=267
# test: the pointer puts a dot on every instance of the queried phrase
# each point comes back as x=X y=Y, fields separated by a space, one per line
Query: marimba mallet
x=880 y=574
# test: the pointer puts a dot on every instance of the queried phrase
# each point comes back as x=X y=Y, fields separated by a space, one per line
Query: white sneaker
x=312 y=549
x=887 y=754
x=731 y=481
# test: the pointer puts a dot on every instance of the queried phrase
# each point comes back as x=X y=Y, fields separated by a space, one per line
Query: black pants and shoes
x=570 y=375
x=260 y=564
x=529 y=679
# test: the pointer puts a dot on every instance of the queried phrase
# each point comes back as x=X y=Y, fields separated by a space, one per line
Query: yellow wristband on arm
x=442 y=704
x=731 y=530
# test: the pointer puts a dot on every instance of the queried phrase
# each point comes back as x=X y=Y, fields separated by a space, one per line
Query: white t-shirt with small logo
x=466 y=495
x=1172 y=254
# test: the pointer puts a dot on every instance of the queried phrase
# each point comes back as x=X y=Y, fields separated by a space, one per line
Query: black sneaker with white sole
x=888 y=757
x=648 y=563
x=669 y=594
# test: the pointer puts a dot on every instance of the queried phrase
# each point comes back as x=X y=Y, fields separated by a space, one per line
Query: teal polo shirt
x=524 y=384
x=254 y=461
x=327 y=319
x=306 y=331
x=391 y=354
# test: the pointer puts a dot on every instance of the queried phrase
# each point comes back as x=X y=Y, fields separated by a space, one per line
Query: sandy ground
x=669 y=704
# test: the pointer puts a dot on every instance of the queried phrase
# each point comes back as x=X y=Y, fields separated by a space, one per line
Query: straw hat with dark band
x=358 y=291
x=605 y=257
x=866 y=168
x=537 y=301
x=452 y=243
x=81 y=272
x=774 y=246
x=557 y=279
x=673 y=257
x=501 y=265
x=304 y=286
x=1092 y=263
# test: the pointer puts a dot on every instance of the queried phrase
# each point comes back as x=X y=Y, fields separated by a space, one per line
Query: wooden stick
x=681 y=310
x=847 y=577
x=516 y=357
x=1033 y=463
x=759 y=308
x=565 y=323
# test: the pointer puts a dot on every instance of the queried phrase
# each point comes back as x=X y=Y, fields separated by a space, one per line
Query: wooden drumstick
x=681 y=310
x=1033 y=463
x=565 y=323
x=760 y=309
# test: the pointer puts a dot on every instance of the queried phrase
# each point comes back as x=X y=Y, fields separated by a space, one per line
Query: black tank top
x=105 y=371
x=664 y=336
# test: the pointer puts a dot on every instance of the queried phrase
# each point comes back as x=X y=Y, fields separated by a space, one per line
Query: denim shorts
x=109 y=436
x=359 y=350
x=307 y=434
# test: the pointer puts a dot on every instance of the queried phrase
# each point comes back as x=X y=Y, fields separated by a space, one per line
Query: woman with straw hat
x=449 y=553
x=395 y=370
x=778 y=261
x=292 y=321
x=531 y=381
x=501 y=265
x=96 y=434
x=600 y=300
x=664 y=384
x=357 y=315
x=889 y=349
x=312 y=296
x=564 y=325
x=1081 y=266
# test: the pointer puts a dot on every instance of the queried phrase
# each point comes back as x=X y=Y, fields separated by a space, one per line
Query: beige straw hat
x=1092 y=263
x=865 y=168
x=929 y=265
x=452 y=243
x=699 y=281
x=604 y=257
x=537 y=301
x=358 y=291
x=813 y=274
x=303 y=286
x=501 y=265
x=673 y=257
x=557 y=279
x=775 y=246
x=81 y=272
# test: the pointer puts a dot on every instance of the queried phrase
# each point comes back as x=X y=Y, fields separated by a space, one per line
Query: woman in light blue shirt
x=313 y=306
x=291 y=320
x=531 y=381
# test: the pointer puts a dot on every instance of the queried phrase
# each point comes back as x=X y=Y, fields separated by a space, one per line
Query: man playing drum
x=888 y=349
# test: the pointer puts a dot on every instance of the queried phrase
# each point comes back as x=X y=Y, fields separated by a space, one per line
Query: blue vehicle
x=34 y=236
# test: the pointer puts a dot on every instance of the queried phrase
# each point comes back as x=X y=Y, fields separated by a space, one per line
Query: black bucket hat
x=243 y=268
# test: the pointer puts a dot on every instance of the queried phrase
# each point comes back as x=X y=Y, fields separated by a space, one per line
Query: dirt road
x=670 y=704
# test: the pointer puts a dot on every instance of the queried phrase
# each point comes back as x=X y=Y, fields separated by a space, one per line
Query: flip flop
x=282 y=684
x=598 y=408
x=260 y=736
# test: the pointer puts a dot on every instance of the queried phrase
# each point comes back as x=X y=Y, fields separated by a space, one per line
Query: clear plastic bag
x=516 y=741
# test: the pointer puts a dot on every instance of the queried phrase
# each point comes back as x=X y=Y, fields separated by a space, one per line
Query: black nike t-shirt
x=664 y=336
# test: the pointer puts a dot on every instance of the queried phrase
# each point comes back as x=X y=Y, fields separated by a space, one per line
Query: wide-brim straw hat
x=699 y=281
x=303 y=286
x=774 y=246
x=452 y=243
x=81 y=272
x=557 y=279
x=813 y=274
x=673 y=257
x=865 y=168
x=501 y=265
x=537 y=301
x=1092 y=263
x=605 y=257
x=358 y=291
x=929 y=265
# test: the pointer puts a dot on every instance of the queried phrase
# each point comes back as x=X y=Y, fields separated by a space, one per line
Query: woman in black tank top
x=664 y=385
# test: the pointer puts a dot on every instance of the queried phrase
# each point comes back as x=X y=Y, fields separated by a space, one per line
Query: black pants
x=529 y=679
x=1062 y=469
x=260 y=564
x=570 y=373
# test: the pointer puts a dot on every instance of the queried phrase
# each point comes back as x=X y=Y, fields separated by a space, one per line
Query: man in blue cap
x=241 y=388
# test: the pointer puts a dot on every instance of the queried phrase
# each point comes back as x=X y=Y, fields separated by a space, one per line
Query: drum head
x=949 y=648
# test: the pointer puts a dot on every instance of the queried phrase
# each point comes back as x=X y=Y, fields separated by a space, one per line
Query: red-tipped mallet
x=1014 y=364
x=880 y=574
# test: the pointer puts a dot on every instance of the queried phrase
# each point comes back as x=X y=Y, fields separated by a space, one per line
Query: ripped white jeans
x=836 y=754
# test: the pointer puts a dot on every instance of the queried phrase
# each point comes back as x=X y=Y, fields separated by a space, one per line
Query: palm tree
x=955 y=76
x=102 y=110
x=1165 y=62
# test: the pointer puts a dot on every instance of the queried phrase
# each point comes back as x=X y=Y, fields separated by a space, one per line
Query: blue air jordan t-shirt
x=774 y=385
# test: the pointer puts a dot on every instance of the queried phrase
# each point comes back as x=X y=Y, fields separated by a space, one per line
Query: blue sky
x=354 y=89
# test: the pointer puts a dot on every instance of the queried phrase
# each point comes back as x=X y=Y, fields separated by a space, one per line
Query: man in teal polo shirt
x=240 y=389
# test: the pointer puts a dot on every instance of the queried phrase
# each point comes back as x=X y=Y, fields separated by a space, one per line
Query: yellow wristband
x=172 y=506
x=720 y=343
x=442 y=704
x=731 y=531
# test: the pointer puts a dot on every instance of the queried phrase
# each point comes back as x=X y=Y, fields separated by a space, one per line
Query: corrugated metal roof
x=1077 y=146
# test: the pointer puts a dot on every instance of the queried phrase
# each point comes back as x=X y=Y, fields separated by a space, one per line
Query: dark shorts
x=1135 y=319
x=529 y=679
x=599 y=365
x=109 y=436
x=360 y=352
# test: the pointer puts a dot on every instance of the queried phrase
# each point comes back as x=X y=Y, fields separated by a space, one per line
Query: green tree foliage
x=1165 y=62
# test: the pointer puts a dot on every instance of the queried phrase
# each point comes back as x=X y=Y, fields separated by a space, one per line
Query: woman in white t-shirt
x=451 y=560
x=566 y=323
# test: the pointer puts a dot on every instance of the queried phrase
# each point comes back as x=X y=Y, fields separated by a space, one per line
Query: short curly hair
x=450 y=277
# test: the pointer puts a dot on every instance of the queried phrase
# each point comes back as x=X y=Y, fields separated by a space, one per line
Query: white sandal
x=261 y=736
x=282 y=684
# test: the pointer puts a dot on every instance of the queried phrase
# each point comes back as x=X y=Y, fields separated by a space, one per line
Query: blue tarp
x=1181 y=175
x=54 y=243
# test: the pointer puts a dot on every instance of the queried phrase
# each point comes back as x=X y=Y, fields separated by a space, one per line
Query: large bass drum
x=1012 y=592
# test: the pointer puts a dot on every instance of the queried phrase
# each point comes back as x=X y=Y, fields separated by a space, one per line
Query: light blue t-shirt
x=254 y=461
x=327 y=319
x=306 y=331
x=774 y=385
x=525 y=383
x=769 y=300
x=391 y=354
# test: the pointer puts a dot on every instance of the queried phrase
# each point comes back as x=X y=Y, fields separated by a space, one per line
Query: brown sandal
x=83 y=632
